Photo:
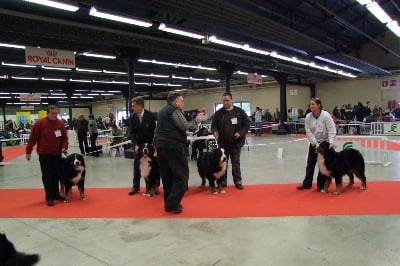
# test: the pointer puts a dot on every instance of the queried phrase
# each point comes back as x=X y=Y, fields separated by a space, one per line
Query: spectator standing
x=141 y=130
x=319 y=127
x=230 y=125
x=82 y=132
x=50 y=135
x=258 y=122
x=93 y=133
x=172 y=150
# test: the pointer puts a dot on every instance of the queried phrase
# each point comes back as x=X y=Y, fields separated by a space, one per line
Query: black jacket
x=140 y=133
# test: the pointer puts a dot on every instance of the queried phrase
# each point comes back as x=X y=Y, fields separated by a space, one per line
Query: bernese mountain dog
x=336 y=164
x=212 y=166
x=148 y=168
x=73 y=174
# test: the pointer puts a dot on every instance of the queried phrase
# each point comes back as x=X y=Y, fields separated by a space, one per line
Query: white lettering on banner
x=34 y=97
x=49 y=57
x=254 y=78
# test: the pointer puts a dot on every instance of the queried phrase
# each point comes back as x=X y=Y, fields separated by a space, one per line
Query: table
x=193 y=138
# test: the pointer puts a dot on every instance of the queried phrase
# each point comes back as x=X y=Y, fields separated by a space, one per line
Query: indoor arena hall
x=269 y=222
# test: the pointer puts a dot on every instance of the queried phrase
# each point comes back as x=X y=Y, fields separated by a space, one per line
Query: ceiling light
x=120 y=82
x=88 y=70
x=378 y=12
x=212 y=80
x=94 y=12
x=214 y=39
x=87 y=97
x=3 y=77
x=54 y=4
x=336 y=63
x=394 y=27
x=56 y=68
x=12 y=45
x=52 y=79
x=151 y=75
x=246 y=47
x=99 y=55
x=364 y=2
x=189 y=34
x=106 y=94
x=16 y=65
x=80 y=80
x=178 y=77
x=114 y=72
x=143 y=83
x=24 y=78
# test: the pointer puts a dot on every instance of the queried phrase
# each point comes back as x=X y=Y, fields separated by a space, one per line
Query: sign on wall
x=254 y=78
x=390 y=84
x=49 y=57
x=29 y=97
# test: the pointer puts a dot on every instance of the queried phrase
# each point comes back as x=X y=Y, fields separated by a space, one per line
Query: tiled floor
x=322 y=240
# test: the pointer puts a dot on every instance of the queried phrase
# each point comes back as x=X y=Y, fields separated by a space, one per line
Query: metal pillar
x=281 y=78
x=227 y=70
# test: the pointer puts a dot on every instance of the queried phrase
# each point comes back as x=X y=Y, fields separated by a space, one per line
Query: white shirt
x=320 y=129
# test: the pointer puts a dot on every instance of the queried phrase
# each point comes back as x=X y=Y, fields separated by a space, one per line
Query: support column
x=69 y=93
x=227 y=70
x=281 y=78
x=130 y=56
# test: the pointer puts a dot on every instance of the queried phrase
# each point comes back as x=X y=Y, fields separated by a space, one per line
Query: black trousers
x=83 y=143
x=232 y=152
x=8 y=251
x=311 y=162
x=93 y=139
x=174 y=171
x=50 y=165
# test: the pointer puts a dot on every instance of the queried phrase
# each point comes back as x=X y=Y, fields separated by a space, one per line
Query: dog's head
x=219 y=155
x=147 y=150
x=323 y=148
x=76 y=161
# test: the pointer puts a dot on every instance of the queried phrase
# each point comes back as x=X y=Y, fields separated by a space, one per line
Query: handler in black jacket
x=172 y=150
x=141 y=130
x=230 y=125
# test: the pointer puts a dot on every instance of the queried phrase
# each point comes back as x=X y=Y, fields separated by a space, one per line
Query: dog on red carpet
x=212 y=166
x=148 y=168
x=336 y=164
x=73 y=174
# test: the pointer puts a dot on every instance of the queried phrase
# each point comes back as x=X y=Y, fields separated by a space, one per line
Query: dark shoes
x=177 y=210
x=239 y=185
x=133 y=192
x=23 y=259
x=50 y=203
x=302 y=187
x=59 y=197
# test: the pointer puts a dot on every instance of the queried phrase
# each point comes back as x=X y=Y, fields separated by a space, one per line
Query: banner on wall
x=390 y=84
x=29 y=97
x=49 y=57
x=254 y=78
x=42 y=113
x=27 y=108
x=23 y=117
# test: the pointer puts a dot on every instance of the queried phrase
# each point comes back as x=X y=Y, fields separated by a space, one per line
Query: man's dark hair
x=138 y=101
x=51 y=107
x=227 y=94
x=172 y=96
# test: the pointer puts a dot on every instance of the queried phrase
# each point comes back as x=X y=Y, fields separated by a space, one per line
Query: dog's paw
x=222 y=191
x=322 y=191
x=83 y=198
x=146 y=195
x=336 y=193
x=363 y=187
x=66 y=200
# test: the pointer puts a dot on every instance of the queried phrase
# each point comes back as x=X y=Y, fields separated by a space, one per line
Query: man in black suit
x=141 y=130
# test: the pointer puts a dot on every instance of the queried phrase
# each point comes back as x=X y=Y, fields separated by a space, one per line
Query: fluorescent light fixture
x=54 y=4
x=394 y=27
x=24 y=78
x=241 y=73
x=97 y=91
x=336 y=63
x=189 y=34
x=176 y=65
x=364 y=2
x=99 y=55
x=143 y=83
x=87 y=97
x=212 y=80
x=5 y=97
x=298 y=61
x=3 y=77
x=151 y=75
x=378 y=12
x=12 y=45
x=199 y=79
x=19 y=103
x=106 y=94
x=58 y=93
x=52 y=79
x=167 y=84
x=129 y=20
x=16 y=65
x=80 y=80
x=56 y=68
x=214 y=39
x=4 y=93
x=114 y=91
x=120 y=82
x=35 y=103
x=93 y=94
x=179 y=77
x=88 y=70
x=246 y=47
x=81 y=90
x=114 y=72
x=55 y=97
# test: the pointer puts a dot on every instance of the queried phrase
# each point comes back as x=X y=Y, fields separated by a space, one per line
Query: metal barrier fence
x=373 y=148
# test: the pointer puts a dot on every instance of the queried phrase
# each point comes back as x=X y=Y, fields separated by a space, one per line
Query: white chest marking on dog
x=145 y=166
x=220 y=173
x=322 y=167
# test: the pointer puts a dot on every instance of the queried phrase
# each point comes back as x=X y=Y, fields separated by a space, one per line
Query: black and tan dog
x=212 y=166
x=73 y=174
x=336 y=164
x=149 y=169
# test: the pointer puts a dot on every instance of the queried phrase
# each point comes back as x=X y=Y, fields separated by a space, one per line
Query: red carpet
x=12 y=152
x=381 y=198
